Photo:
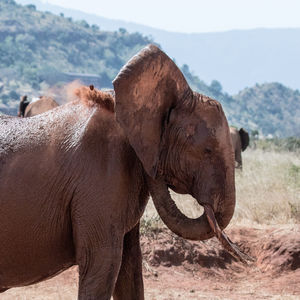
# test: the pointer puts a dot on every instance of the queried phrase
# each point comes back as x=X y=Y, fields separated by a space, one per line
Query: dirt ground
x=178 y=269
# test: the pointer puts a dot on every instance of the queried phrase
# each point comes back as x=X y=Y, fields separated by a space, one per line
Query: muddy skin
x=74 y=181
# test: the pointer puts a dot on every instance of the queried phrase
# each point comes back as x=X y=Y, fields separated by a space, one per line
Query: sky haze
x=195 y=15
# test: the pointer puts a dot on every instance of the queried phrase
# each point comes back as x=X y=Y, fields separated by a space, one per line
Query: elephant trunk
x=175 y=220
x=202 y=228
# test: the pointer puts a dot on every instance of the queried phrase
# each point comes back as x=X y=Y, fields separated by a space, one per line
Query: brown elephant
x=240 y=142
x=30 y=109
x=75 y=180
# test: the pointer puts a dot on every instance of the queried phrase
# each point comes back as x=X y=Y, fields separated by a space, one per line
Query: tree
x=122 y=30
x=216 y=86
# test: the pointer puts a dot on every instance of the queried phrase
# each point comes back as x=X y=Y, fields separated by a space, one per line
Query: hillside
x=237 y=58
x=270 y=108
x=38 y=49
x=274 y=108
x=41 y=52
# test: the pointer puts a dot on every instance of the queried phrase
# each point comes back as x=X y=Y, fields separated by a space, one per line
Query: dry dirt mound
x=275 y=250
x=177 y=269
x=280 y=251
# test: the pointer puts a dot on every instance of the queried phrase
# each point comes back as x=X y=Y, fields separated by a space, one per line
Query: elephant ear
x=244 y=138
x=146 y=88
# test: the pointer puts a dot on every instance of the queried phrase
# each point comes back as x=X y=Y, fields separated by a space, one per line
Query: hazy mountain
x=237 y=58
x=40 y=52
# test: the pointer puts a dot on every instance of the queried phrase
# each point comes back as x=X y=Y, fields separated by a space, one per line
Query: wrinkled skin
x=37 y=107
x=75 y=180
x=240 y=142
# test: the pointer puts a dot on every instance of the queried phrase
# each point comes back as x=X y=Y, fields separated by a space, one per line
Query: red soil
x=178 y=269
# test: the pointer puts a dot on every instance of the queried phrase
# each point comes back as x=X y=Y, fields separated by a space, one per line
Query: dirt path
x=179 y=269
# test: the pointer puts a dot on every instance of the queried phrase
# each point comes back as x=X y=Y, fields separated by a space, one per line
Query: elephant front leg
x=98 y=249
x=98 y=243
x=98 y=271
x=129 y=284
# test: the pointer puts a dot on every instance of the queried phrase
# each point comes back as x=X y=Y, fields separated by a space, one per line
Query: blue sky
x=195 y=15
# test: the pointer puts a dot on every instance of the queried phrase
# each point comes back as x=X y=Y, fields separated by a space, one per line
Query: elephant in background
x=24 y=101
x=30 y=109
x=240 y=142
x=87 y=168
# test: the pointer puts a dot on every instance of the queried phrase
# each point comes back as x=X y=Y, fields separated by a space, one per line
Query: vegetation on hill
x=270 y=109
x=36 y=47
x=40 y=51
x=237 y=58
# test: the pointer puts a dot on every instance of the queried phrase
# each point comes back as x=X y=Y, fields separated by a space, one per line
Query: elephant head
x=244 y=135
x=182 y=139
x=22 y=106
x=240 y=141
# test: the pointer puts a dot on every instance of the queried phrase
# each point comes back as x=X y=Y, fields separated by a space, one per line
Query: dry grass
x=267 y=192
x=268 y=189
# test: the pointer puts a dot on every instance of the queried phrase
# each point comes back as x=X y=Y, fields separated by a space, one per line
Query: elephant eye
x=207 y=151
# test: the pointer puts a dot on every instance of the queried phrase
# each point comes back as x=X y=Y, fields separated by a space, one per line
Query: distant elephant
x=24 y=101
x=74 y=181
x=240 y=142
x=37 y=107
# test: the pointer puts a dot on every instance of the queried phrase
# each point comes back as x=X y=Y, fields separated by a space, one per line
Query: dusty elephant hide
x=74 y=181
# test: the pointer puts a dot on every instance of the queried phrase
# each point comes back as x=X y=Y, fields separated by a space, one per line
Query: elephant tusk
x=222 y=237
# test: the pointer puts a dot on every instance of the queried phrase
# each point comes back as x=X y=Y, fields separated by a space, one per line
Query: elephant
x=30 y=109
x=240 y=142
x=74 y=187
x=22 y=106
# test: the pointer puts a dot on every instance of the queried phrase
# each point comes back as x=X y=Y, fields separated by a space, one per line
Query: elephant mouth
x=176 y=189
x=227 y=244
x=170 y=186
x=176 y=185
x=201 y=228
